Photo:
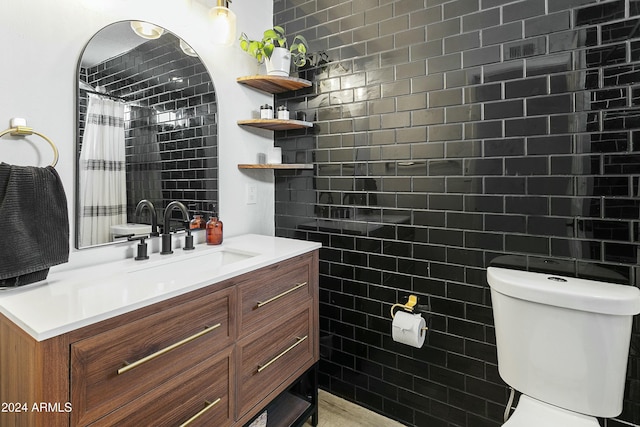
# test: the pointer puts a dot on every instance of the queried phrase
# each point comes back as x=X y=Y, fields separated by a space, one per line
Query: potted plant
x=275 y=50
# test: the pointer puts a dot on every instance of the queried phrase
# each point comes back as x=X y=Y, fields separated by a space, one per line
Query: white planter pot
x=280 y=62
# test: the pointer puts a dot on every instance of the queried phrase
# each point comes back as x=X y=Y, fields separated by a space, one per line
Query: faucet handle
x=142 y=247
x=188 y=241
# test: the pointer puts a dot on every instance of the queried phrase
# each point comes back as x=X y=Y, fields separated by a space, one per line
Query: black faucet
x=166 y=230
x=152 y=211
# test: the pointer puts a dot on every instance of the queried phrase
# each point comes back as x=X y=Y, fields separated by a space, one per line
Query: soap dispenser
x=214 y=230
x=197 y=222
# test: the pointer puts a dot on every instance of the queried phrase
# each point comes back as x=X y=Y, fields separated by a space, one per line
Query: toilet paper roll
x=406 y=328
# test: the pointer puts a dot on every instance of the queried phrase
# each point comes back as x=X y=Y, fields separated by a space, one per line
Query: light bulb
x=223 y=23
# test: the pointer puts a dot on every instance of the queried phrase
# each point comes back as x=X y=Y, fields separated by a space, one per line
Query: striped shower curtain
x=102 y=177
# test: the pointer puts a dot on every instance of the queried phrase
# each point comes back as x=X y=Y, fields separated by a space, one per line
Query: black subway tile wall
x=450 y=134
x=170 y=123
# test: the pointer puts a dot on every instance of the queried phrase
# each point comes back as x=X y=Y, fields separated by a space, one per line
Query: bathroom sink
x=209 y=260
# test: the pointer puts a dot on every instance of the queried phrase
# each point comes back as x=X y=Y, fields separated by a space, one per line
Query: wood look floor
x=336 y=412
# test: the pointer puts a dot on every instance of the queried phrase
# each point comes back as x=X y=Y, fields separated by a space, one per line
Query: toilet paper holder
x=412 y=306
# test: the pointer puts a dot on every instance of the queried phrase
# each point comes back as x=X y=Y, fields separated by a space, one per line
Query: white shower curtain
x=103 y=197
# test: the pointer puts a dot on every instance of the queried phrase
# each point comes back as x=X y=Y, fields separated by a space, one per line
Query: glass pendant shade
x=188 y=50
x=146 y=30
x=223 y=21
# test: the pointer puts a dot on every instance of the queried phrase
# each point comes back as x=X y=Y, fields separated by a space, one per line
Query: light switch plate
x=251 y=192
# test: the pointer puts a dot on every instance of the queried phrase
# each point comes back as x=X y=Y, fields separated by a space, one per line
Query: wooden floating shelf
x=274 y=84
x=276 y=166
x=276 y=124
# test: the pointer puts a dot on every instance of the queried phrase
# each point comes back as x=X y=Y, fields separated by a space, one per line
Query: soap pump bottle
x=214 y=230
x=197 y=222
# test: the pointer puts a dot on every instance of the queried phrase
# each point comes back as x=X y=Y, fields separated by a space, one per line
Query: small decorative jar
x=266 y=111
x=283 y=112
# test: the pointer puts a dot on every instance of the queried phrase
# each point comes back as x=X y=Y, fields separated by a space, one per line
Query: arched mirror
x=146 y=130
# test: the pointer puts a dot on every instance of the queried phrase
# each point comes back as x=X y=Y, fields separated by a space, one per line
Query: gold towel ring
x=24 y=130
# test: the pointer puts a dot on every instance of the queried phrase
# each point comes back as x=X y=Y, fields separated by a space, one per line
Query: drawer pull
x=261 y=303
x=130 y=366
x=207 y=406
x=266 y=365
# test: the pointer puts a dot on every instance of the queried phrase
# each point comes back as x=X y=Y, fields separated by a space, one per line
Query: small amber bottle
x=197 y=222
x=214 y=231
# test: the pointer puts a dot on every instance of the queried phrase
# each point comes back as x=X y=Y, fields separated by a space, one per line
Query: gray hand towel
x=34 y=223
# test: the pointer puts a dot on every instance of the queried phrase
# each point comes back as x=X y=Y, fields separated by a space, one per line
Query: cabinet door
x=202 y=394
x=272 y=292
x=269 y=360
x=118 y=366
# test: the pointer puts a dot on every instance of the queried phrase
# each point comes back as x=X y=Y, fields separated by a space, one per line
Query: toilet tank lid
x=568 y=292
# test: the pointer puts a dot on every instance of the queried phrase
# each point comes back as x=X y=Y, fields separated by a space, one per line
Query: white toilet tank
x=563 y=340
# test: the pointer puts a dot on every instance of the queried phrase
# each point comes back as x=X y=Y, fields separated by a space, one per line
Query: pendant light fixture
x=188 y=50
x=223 y=23
x=146 y=30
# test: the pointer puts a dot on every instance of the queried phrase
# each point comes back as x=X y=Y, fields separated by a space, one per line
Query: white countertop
x=71 y=299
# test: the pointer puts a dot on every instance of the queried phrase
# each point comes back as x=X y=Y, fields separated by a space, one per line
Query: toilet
x=562 y=342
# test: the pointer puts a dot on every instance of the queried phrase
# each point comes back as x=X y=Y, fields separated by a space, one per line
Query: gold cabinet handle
x=130 y=366
x=261 y=303
x=266 y=365
x=207 y=406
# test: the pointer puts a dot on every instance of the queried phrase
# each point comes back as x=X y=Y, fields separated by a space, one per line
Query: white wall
x=42 y=41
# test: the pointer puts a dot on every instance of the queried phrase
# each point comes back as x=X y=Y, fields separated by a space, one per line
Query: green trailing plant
x=272 y=38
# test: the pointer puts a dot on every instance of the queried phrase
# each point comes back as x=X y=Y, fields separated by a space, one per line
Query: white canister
x=266 y=111
x=274 y=156
x=283 y=112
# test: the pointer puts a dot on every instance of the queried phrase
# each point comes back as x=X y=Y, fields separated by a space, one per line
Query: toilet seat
x=534 y=413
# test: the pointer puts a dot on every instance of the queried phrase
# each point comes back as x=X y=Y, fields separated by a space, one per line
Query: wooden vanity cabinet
x=218 y=352
x=269 y=359
x=101 y=380
x=206 y=387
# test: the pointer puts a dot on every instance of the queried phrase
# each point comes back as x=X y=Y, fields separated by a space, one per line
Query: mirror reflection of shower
x=101 y=171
